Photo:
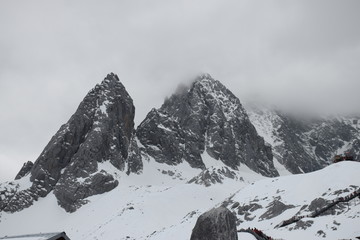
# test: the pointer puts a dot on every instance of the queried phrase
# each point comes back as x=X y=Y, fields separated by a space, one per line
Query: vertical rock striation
x=205 y=117
x=216 y=224
x=305 y=144
x=25 y=170
x=101 y=130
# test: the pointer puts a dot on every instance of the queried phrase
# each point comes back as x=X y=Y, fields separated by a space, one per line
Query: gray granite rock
x=212 y=176
x=274 y=209
x=204 y=117
x=216 y=224
x=25 y=170
x=71 y=195
x=101 y=130
x=302 y=143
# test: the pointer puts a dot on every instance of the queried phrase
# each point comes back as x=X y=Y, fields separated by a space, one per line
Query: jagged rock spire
x=206 y=117
x=101 y=129
x=25 y=170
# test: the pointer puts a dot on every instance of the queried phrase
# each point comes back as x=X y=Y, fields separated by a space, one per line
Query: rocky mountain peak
x=207 y=83
x=205 y=91
x=205 y=76
x=206 y=119
x=101 y=130
x=112 y=77
x=206 y=80
x=304 y=143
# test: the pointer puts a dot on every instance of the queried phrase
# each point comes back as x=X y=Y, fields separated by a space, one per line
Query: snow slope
x=301 y=143
x=297 y=192
x=143 y=206
x=158 y=206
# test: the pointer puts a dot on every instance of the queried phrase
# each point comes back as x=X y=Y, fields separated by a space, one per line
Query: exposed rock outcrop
x=214 y=175
x=25 y=170
x=216 y=224
x=304 y=144
x=274 y=209
x=205 y=117
x=101 y=130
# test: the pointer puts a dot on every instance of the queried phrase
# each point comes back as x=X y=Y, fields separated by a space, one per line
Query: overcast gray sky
x=298 y=54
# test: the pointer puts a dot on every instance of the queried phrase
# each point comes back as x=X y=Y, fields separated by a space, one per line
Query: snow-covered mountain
x=205 y=120
x=99 y=178
x=267 y=203
x=305 y=144
x=154 y=206
x=101 y=130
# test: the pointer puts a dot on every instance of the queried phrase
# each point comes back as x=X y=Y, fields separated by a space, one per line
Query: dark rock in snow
x=212 y=175
x=135 y=164
x=71 y=196
x=317 y=207
x=275 y=208
x=293 y=153
x=243 y=210
x=247 y=210
x=216 y=224
x=321 y=233
x=25 y=170
x=206 y=117
x=302 y=225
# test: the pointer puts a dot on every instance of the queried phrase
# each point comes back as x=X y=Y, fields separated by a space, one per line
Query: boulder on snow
x=216 y=224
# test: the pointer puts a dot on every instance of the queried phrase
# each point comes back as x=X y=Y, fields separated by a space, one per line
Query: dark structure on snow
x=40 y=236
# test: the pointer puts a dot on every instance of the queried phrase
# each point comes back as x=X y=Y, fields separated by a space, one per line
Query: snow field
x=158 y=206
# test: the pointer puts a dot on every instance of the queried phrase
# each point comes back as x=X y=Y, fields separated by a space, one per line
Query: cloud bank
x=300 y=55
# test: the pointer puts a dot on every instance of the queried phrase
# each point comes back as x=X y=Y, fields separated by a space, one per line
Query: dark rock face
x=293 y=152
x=211 y=176
x=305 y=144
x=302 y=225
x=71 y=194
x=16 y=200
x=101 y=130
x=205 y=117
x=318 y=142
x=355 y=149
x=331 y=135
x=247 y=210
x=25 y=170
x=216 y=224
x=318 y=205
x=275 y=208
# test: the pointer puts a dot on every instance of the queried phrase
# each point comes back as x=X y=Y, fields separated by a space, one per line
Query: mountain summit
x=201 y=135
x=204 y=121
x=101 y=130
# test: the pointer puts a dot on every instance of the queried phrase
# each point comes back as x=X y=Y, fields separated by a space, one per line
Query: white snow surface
x=103 y=107
x=300 y=190
x=245 y=236
x=211 y=162
x=266 y=124
x=156 y=205
x=280 y=168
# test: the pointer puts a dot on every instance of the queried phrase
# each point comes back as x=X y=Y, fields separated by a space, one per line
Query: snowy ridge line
x=317 y=212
